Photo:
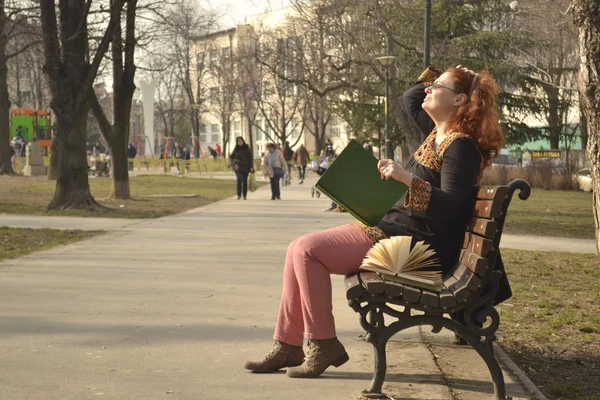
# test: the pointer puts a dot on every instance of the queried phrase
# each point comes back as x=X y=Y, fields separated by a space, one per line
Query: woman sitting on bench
x=458 y=111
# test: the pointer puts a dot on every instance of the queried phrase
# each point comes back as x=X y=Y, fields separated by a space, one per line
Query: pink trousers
x=306 y=307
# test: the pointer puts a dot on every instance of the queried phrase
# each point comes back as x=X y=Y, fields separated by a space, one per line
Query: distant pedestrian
x=243 y=164
x=301 y=158
x=131 y=151
x=329 y=153
x=186 y=158
x=288 y=153
x=178 y=154
x=213 y=153
x=274 y=167
x=218 y=150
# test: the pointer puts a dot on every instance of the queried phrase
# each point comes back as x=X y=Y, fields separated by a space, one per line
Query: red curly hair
x=478 y=116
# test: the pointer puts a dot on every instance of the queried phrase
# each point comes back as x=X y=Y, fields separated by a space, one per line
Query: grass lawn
x=16 y=242
x=551 y=325
x=552 y=213
x=31 y=195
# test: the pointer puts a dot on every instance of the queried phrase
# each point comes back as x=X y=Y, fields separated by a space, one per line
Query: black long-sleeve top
x=440 y=201
x=242 y=156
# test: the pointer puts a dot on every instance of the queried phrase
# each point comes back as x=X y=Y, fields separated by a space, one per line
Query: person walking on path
x=458 y=111
x=328 y=152
x=301 y=158
x=131 y=151
x=288 y=155
x=274 y=167
x=178 y=154
x=243 y=164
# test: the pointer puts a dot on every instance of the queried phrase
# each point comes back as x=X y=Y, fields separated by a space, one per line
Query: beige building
x=215 y=77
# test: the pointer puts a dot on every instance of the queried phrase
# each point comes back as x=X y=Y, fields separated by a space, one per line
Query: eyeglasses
x=436 y=85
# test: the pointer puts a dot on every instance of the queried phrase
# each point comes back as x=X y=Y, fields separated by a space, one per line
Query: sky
x=236 y=10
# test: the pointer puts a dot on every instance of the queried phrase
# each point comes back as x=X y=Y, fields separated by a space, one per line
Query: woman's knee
x=308 y=244
x=292 y=246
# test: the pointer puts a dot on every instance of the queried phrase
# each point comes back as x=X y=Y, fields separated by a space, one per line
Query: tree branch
x=115 y=16
x=53 y=62
x=23 y=49
x=106 y=128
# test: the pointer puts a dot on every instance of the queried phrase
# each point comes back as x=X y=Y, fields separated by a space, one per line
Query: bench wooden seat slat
x=477 y=244
x=458 y=288
x=393 y=289
x=372 y=282
x=493 y=193
x=484 y=227
x=447 y=300
x=463 y=274
x=430 y=299
x=487 y=209
x=411 y=294
x=353 y=287
x=476 y=264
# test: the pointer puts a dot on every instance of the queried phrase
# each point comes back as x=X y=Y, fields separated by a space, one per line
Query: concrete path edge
x=517 y=372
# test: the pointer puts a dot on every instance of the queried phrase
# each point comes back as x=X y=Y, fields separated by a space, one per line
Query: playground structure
x=31 y=125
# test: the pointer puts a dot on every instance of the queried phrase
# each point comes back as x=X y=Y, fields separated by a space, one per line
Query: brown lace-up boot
x=281 y=356
x=321 y=354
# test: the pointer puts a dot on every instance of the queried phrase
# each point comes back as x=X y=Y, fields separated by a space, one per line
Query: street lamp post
x=386 y=62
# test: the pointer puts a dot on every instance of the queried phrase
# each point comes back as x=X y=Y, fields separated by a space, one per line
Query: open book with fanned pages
x=394 y=260
x=354 y=183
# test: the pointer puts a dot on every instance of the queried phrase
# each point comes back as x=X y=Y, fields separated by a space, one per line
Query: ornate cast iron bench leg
x=371 y=318
x=372 y=321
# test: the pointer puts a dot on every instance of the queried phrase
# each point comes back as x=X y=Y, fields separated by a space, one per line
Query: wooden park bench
x=469 y=288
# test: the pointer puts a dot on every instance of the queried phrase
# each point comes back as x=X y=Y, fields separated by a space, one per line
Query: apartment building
x=263 y=107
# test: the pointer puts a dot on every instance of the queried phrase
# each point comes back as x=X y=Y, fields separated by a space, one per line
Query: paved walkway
x=171 y=308
x=58 y=222
x=519 y=242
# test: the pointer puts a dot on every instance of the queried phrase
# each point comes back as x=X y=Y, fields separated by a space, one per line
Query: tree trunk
x=72 y=185
x=54 y=157
x=587 y=19
x=554 y=121
x=250 y=137
x=5 y=161
x=120 y=173
x=583 y=128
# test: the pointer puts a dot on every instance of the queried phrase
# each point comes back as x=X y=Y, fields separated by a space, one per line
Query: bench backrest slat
x=478 y=265
x=477 y=244
x=484 y=227
x=497 y=193
x=487 y=209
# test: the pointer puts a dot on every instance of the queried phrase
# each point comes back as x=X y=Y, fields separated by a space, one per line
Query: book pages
x=394 y=258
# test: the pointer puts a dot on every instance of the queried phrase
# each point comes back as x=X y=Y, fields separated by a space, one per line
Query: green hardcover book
x=354 y=182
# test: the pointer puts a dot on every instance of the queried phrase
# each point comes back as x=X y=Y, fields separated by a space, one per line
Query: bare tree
x=224 y=90
x=27 y=86
x=548 y=61
x=71 y=71
x=247 y=79
x=168 y=91
x=277 y=97
x=123 y=44
x=186 y=45
x=14 y=26
x=587 y=20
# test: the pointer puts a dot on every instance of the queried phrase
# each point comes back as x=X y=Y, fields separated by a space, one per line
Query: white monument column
x=148 y=104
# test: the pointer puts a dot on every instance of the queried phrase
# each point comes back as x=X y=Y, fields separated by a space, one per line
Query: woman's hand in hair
x=467 y=70
x=389 y=169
